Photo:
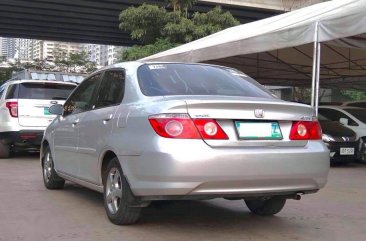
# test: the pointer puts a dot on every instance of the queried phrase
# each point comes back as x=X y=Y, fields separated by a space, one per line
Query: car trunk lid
x=34 y=100
x=242 y=118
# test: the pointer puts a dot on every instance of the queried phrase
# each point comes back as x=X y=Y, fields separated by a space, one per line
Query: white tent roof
x=279 y=49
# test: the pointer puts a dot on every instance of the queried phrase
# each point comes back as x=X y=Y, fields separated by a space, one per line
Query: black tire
x=266 y=207
x=50 y=178
x=117 y=208
x=4 y=151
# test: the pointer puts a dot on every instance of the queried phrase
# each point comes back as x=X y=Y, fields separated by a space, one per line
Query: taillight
x=305 y=130
x=174 y=126
x=183 y=127
x=13 y=108
x=210 y=129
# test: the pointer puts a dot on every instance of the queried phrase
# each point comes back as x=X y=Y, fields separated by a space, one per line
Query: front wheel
x=266 y=207
x=117 y=194
x=50 y=178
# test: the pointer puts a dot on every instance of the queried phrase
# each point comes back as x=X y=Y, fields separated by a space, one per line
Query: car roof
x=139 y=63
x=353 y=102
x=340 y=107
x=40 y=81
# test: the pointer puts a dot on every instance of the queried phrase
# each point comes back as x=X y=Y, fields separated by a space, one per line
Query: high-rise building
x=30 y=49
x=7 y=47
x=93 y=51
x=103 y=54
x=52 y=49
x=114 y=53
x=22 y=49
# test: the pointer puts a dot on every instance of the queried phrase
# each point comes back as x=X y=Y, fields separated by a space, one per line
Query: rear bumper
x=24 y=139
x=193 y=168
x=335 y=156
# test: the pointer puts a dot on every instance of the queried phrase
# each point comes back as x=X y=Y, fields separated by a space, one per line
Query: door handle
x=105 y=120
x=75 y=123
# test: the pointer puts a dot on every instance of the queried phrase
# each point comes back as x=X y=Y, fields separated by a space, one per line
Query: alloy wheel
x=113 y=190
x=47 y=166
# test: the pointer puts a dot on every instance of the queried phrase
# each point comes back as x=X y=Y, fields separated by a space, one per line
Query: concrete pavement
x=30 y=212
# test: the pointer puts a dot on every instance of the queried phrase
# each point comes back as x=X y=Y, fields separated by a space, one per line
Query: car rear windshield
x=358 y=113
x=195 y=79
x=44 y=91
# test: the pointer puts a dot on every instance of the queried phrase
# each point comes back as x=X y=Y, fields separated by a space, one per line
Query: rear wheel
x=117 y=194
x=266 y=207
x=50 y=178
x=4 y=151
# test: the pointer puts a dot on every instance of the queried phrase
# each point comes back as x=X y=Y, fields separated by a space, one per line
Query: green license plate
x=258 y=130
x=46 y=111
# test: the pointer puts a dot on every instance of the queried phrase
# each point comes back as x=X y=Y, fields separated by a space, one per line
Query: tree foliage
x=73 y=62
x=5 y=74
x=139 y=52
x=144 y=22
x=160 y=30
x=354 y=95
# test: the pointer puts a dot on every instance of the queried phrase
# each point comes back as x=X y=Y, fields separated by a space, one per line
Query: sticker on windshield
x=157 y=66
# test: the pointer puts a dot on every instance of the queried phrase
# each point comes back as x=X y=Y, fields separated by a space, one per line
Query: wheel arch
x=105 y=159
x=44 y=144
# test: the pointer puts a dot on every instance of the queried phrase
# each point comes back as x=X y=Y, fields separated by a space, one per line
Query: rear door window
x=335 y=115
x=45 y=91
x=12 y=92
x=358 y=113
x=112 y=89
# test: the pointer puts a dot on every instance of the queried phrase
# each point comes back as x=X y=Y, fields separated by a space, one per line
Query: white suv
x=24 y=112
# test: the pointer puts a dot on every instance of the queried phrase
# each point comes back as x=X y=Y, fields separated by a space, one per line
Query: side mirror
x=56 y=109
x=343 y=121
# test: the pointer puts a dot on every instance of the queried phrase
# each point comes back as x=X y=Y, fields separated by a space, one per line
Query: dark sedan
x=341 y=141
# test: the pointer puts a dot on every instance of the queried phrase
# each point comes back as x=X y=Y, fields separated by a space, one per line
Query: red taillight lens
x=210 y=129
x=13 y=108
x=305 y=130
x=174 y=126
x=183 y=127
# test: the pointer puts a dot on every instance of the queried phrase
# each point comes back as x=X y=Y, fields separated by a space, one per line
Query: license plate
x=347 y=151
x=46 y=111
x=258 y=130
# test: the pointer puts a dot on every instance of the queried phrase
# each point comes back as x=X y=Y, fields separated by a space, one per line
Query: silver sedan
x=140 y=132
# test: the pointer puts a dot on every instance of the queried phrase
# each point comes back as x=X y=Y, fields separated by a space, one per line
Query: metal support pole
x=317 y=79
x=316 y=70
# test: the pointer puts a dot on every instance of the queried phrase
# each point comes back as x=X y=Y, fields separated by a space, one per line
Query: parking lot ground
x=30 y=212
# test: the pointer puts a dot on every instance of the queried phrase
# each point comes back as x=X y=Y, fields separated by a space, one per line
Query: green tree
x=162 y=30
x=138 y=52
x=5 y=74
x=354 y=95
x=181 y=5
x=70 y=62
x=212 y=22
x=144 y=22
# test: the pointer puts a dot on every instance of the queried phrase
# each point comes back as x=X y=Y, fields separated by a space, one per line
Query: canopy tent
x=279 y=49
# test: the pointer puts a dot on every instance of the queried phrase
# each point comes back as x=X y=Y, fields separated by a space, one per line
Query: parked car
x=341 y=141
x=353 y=118
x=140 y=132
x=24 y=112
x=360 y=103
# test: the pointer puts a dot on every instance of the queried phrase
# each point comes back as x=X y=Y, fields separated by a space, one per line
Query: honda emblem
x=259 y=113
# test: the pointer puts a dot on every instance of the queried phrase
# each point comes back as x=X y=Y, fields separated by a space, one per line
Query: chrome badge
x=259 y=113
